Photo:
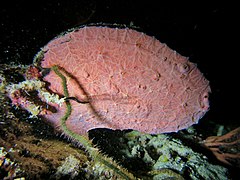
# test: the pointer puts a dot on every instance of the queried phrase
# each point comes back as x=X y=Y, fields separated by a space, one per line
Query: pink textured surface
x=131 y=80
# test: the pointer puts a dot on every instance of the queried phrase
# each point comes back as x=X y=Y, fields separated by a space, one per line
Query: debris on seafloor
x=226 y=148
x=101 y=93
x=70 y=167
x=8 y=168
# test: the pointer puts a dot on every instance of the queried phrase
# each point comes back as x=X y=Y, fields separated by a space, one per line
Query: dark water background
x=206 y=33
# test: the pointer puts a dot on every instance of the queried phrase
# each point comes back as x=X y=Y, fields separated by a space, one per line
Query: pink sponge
x=131 y=81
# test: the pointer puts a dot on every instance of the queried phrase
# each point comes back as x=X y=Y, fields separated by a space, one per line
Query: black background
x=207 y=33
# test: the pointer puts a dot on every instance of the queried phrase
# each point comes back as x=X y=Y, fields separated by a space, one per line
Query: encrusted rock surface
x=163 y=152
